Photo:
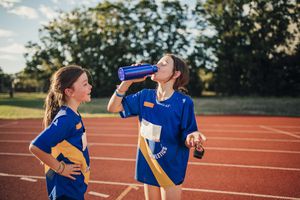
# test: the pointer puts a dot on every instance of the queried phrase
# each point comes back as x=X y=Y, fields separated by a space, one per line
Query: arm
x=60 y=168
x=115 y=102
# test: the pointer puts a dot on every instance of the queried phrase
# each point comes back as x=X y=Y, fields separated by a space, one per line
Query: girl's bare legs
x=171 y=193
x=151 y=192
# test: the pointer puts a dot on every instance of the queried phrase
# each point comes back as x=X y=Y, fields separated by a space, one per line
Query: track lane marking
x=36 y=132
x=185 y=189
x=280 y=131
x=8 y=124
x=190 y=163
x=28 y=179
x=97 y=194
x=211 y=148
x=135 y=136
x=126 y=191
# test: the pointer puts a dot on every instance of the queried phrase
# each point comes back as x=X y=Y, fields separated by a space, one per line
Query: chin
x=88 y=99
x=153 y=78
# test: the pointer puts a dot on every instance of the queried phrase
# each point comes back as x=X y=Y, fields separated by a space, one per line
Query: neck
x=164 y=91
x=73 y=105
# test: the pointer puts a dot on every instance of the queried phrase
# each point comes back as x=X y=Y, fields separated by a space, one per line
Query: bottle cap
x=121 y=74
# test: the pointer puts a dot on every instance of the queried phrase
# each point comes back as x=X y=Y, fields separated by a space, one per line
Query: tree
x=108 y=36
x=6 y=81
x=252 y=45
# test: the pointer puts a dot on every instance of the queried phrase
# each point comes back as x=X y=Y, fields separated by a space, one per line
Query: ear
x=69 y=92
x=176 y=74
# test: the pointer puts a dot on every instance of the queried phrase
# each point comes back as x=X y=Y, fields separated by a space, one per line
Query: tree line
x=232 y=47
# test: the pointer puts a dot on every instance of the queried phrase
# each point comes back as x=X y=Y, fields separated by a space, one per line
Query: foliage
x=255 y=46
x=245 y=47
x=111 y=35
x=5 y=81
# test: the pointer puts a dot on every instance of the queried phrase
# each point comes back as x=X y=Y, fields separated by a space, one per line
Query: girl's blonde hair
x=61 y=79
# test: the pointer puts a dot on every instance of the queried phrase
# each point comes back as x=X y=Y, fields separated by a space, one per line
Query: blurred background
x=244 y=56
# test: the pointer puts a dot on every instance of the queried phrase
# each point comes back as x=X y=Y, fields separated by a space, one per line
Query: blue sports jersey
x=162 y=156
x=65 y=139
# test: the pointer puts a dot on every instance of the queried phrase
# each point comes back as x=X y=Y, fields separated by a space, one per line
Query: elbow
x=109 y=108
x=112 y=109
x=32 y=148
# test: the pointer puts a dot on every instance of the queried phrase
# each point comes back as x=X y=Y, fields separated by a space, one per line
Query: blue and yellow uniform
x=65 y=139
x=162 y=156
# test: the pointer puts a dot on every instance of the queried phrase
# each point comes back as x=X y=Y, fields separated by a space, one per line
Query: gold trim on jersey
x=74 y=155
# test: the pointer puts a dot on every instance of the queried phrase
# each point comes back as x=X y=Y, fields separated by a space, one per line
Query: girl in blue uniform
x=62 y=146
x=167 y=127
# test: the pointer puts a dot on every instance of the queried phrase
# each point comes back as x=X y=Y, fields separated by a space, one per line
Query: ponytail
x=52 y=105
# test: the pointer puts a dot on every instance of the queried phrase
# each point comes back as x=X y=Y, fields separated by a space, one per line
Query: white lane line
x=111 y=134
x=126 y=191
x=116 y=183
x=252 y=150
x=211 y=148
x=244 y=166
x=201 y=124
x=241 y=194
x=112 y=159
x=15 y=141
x=7 y=131
x=252 y=139
x=185 y=189
x=112 y=144
x=97 y=194
x=280 y=131
x=28 y=179
x=210 y=138
x=190 y=163
x=132 y=126
x=244 y=126
x=15 y=154
x=89 y=134
x=8 y=124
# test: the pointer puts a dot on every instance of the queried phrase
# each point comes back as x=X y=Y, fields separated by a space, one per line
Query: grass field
x=30 y=105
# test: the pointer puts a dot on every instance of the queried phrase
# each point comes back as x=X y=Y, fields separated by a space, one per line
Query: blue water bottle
x=134 y=72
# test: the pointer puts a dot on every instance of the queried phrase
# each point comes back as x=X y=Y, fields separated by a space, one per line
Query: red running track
x=246 y=157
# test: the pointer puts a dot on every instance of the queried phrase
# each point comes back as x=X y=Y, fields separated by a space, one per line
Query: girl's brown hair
x=183 y=79
x=61 y=79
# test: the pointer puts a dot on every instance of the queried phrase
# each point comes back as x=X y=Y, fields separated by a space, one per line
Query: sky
x=20 y=21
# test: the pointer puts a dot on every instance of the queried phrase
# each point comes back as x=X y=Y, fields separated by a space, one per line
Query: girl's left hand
x=194 y=139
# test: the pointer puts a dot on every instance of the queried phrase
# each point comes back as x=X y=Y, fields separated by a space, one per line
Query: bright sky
x=19 y=23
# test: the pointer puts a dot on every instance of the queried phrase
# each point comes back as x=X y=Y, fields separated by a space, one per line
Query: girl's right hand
x=71 y=169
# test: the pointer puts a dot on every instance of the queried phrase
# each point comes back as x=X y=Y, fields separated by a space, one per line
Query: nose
x=158 y=65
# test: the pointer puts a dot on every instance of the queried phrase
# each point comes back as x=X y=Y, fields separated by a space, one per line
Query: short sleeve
x=188 y=120
x=131 y=105
x=55 y=133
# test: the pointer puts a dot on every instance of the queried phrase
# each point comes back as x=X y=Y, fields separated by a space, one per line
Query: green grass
x=30 y=105
x=277 y=106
